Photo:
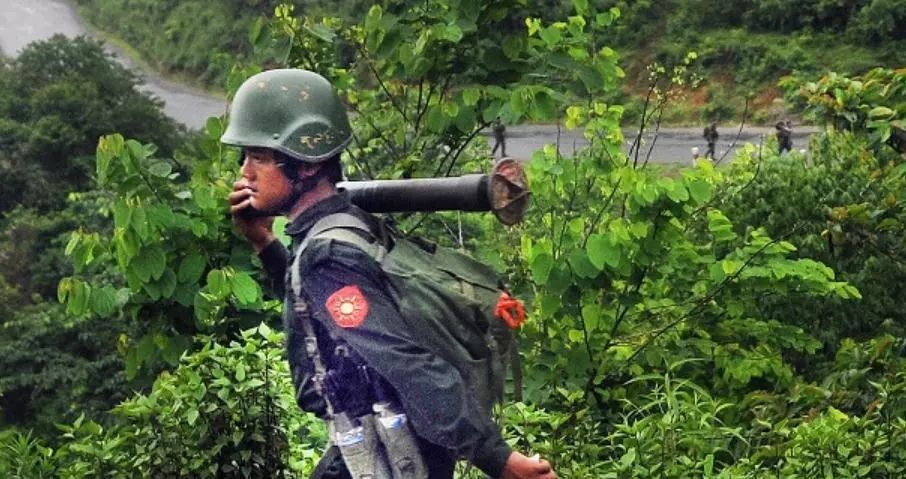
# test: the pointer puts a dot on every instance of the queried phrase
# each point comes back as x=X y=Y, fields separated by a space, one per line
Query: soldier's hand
x=518 y=466
x=257 y=229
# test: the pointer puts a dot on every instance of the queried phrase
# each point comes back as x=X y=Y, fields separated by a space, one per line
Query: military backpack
x=455 y=306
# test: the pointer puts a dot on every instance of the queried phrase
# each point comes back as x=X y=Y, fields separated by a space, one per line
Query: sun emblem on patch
x=347 y=306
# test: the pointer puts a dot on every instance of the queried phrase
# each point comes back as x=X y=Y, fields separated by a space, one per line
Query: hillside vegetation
x=722 y=321
x=745 y=46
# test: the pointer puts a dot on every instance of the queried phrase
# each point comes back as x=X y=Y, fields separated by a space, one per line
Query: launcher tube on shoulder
x=504 y=191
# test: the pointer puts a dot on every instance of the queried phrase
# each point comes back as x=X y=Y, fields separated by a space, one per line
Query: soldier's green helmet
x=293 y=111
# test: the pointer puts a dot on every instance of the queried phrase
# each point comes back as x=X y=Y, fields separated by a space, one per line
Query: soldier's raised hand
x=257 y=229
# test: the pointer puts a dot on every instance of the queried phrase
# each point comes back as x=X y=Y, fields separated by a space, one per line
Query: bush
x=225 y=412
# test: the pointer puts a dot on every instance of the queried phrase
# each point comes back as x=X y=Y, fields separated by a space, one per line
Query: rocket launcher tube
x=504 y=191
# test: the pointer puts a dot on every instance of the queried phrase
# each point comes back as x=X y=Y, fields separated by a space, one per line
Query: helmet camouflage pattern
x=293 y=111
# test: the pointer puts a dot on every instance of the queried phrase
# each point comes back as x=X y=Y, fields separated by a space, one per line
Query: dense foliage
x=56 y=99
x=737 y=322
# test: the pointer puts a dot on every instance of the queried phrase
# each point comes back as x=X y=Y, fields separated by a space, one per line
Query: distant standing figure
x=710 y=134
x=499 y=138
x=784 y=136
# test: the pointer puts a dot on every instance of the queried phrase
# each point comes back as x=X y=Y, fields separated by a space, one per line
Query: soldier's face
x=270 y=187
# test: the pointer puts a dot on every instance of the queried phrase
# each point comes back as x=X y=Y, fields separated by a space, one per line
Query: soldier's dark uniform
x=446 y=417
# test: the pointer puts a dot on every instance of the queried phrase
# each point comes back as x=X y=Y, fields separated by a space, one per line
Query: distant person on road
x=499 y=138
x=784 y=136
x=710 y=134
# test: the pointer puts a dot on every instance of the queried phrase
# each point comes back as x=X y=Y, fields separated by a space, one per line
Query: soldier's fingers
x=240 y=206
x=240 y=195
x=543 y=467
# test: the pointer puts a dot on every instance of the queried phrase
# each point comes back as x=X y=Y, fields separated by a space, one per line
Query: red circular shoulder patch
x=347 y=306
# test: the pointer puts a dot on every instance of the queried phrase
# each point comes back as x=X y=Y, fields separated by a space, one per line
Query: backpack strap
x=341 y=227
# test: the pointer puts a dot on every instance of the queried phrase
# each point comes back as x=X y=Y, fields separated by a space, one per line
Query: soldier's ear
x=307 y=170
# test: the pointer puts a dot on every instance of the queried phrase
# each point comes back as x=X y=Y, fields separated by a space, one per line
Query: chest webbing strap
x=340 y=227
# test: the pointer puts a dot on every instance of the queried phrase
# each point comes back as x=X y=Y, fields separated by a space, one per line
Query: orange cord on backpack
x=510 y=310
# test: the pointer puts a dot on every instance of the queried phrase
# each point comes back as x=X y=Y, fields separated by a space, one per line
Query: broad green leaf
x=323 y=32
x=78 y=298
x=551 y=35
x=132 y=364
x=470 y=96
x=192 y=416
x=629 y=458
x=103 y=161
x=700 y=190
x=436 y=121
x=217 y=284
x=140 y=224
x=264 y=330
x=167 y=283
x=160 y=169
x=880 y=112
x=581 y=6
x=145 y=348
x=122 y=214
x=541 y=267
x=720 y=226
x=581 y=265
x=591 y=316
x=601 y=251
x=149 y=263
x=837 y=414
x=576 y=335
x=126 y=244
x=103 y=300
x=591 y=78
x=560 y=279
x=676 y=191
x=453 y=33
x=716 y=272
x=160 y=216
x=190 y=268
x=245 y=288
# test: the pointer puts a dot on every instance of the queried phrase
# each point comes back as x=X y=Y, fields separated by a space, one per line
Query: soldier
x=710 y=134
x=292 y=128
x=784 y=136
x=499 y=138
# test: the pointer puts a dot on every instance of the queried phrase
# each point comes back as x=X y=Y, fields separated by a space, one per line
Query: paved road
x=672 y=145
x=25 y=21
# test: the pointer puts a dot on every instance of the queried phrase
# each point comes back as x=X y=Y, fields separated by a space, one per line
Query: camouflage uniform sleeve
x=350 y=298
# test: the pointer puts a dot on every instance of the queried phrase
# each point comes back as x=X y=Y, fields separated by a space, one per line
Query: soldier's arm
x=347 y=294
x=274 y=258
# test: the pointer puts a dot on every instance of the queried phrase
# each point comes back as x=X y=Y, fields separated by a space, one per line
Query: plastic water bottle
x=399 y=441
x=360 y=447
